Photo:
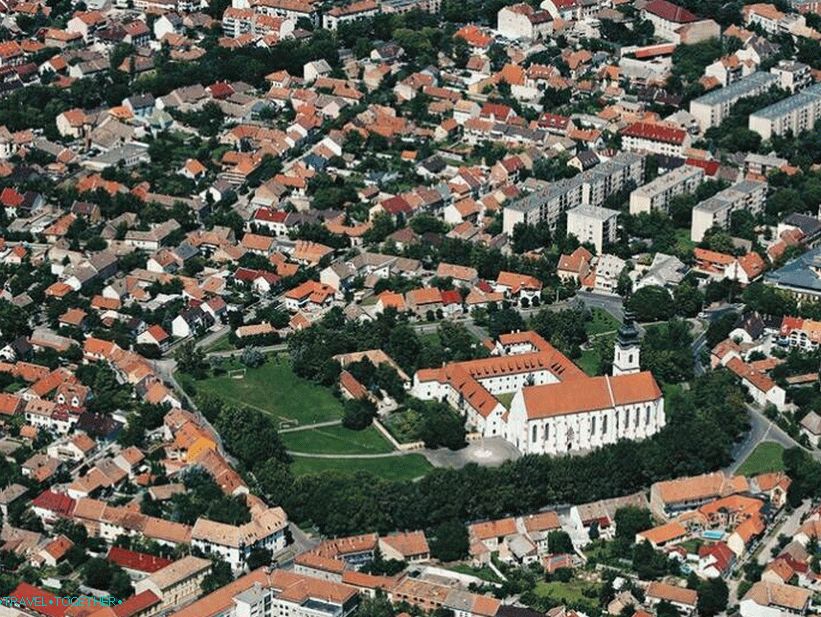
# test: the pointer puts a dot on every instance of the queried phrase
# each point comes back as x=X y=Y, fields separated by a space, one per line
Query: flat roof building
x=717 y=211
x=593 y=224
x=710 y=109
x=795 y=114
x=656 y=195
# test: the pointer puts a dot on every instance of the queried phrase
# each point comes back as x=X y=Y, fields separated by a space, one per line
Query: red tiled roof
x=670 y=12
x=655 y=132
x=132 y=560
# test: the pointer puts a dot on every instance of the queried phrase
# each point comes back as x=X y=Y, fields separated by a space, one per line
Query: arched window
x=534 y=432
x=604 y=424
x=593 y=425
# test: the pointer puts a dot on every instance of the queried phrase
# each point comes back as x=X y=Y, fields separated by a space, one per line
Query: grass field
x=589 y=361
x=407 y=467
x=221 y=344
x=485 y=573
x=602 y=322
x=336 y=440
x=274 y=389
x=766 y=457
x=574 y=592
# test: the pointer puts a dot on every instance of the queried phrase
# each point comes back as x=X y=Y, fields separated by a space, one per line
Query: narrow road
x=392 y=454
x=307 y=427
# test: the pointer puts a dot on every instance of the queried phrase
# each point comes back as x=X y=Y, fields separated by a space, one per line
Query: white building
x=717 y=211
x=655 y=138
x=350 y=13
x=710 y=109
x=795 y=114
x=555 y=409
x=593 y=224
x=591 y=187
x=656 y=195
x=522 y=21
x=792 y=75
x=233 y=544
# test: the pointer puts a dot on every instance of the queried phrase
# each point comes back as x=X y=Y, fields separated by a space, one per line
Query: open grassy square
x=336 y=440
x=274 y=388
x=408 y=467
x=601 y=321
x=765 y=458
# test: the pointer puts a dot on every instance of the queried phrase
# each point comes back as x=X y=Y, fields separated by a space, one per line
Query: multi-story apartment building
x=795 y=114
x=655 y=138
x=792 y=75
x=591 y=187
x=350 y=13
x=711 y=108
x=593 y=224
x=717 y=211
x=656 y=195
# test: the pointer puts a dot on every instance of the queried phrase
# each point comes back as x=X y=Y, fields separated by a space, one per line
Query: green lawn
x=505 y=398
x=589 y=361
x=221 y=344
x=766 y=457
x=336 y=440
x=407 y=467
x=273 y=388
x=601 y=322
x=683 y=242
x=485 y=573
x=574 y=592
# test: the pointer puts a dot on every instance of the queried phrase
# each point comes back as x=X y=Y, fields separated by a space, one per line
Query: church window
x=534 y=432
x=593 y=425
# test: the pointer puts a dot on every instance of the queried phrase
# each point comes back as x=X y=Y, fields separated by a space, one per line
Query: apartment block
x=711 y=108
x=590 y=188
x=795 y=114
x=593 y=224
x=656 y=195
x=792 y=75
x=718 y=210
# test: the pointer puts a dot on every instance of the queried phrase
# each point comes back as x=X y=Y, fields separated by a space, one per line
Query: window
x=647 y=415
x=604 y=424
x=546 y=431
x=534 y=431
x=593 y=425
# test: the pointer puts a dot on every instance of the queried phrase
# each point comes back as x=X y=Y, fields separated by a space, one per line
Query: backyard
x=273 y=388
x=765 y=458
x=575 y=592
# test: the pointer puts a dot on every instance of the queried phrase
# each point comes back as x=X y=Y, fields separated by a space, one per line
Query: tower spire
x=628 y=343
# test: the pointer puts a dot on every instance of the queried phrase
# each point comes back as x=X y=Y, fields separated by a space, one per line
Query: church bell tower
x=628 y=343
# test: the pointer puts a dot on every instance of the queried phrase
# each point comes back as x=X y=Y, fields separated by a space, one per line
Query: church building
x=556 y=408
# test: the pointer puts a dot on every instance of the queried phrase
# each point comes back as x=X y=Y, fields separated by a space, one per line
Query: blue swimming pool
x=712 y=534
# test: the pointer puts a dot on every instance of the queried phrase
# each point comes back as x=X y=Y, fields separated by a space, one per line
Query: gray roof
x=803 y=99
x=739 y=89
x=798 y=274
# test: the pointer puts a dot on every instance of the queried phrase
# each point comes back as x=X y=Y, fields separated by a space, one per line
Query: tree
x=252 y=357
x=631 y=520
x=713 y=596
x=259 y=557
x=219 y=576
x=688 y=299
x=559 y=542
x=191 y=359
x=651 y=303
x=450 y=541
x=359 y=414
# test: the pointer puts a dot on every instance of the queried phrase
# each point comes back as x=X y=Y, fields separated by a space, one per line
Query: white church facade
x=556 y=407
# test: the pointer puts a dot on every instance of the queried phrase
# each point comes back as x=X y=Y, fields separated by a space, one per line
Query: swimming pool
x=712 y=534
